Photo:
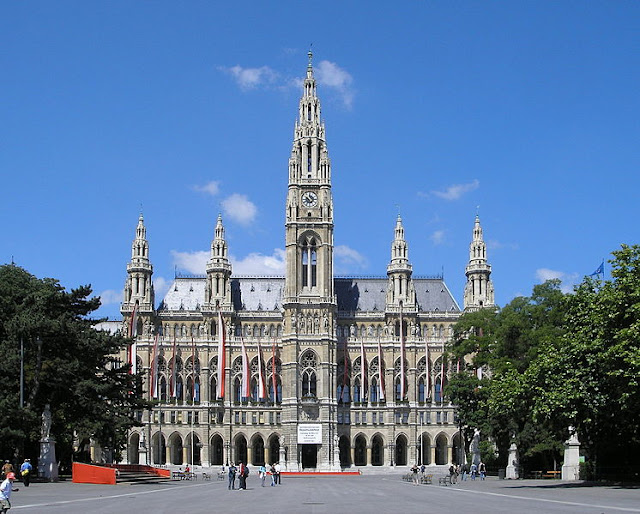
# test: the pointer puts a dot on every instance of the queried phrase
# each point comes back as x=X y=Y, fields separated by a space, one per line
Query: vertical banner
x=427 y=370
x=154 y=370
x=402 y=370
x=381 y=370
x=221 y=356
x=174 y=372
x=193 y=366
x=262 y=390
x=442 y=380
x=274 y=381
x=363 y=372
x=245 y=372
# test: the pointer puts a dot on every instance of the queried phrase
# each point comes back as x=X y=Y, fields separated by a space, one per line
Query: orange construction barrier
x=88 y=474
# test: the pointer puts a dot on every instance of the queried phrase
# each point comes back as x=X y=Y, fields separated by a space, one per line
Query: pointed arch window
x=309 y=263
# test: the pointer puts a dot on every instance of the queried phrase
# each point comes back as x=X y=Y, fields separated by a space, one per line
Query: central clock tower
x=309 y=211
x=308 y=341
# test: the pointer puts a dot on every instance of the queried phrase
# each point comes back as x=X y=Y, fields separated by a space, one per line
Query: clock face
x=309 y=199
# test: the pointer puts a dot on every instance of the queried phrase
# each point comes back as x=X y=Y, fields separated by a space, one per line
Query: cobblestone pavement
x=318 y=494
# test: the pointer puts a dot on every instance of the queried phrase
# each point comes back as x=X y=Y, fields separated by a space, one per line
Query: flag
x=262 y=390
x=193 y=365
x=402 y=371
x=274 y=382
x=599 y=270
x=221 y=356
x=245 y=372
x=154 y=370
x=381 y=368
x=363 y=373
x=132 y=351
x=442 y=380
x=344 y=376
x=174 y=373
x=427 y=384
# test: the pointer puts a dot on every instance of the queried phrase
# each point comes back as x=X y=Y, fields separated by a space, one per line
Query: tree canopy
x=67 y=364
x=556 y=362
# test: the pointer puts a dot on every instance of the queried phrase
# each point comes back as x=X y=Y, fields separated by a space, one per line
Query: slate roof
x=265 y=294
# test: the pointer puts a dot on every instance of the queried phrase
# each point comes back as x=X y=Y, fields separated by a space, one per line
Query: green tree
x=67 y=364
x=505 y=343
x=590 y=379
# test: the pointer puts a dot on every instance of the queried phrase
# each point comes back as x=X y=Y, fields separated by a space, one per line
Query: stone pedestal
x=571 y=466
x=512 y=467
x=47 y=464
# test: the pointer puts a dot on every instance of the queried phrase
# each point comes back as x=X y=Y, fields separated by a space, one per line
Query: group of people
x=465 y=471
x=242 y=472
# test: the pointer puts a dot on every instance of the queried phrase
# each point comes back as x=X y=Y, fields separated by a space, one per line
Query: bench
x=206 y=476
x=445 y=480
x=552 y=474
x=177 y=475
x=426 y=479
x=221 y=475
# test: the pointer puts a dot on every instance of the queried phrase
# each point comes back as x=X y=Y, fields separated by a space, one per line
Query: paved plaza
x=319 y=494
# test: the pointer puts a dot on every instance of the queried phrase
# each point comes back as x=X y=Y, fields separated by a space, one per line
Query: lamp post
x=461 y=448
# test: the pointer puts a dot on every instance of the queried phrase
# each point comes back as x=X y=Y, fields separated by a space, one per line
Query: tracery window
x=308 y=365
x=309 y=262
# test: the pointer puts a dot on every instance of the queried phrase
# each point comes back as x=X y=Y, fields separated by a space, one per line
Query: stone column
x=353 y=456
x=185 y=455
x=249 y=454
x=449 y=455
x=368 y=456
x=167 y=452
x=571 y=465
x=432 y=455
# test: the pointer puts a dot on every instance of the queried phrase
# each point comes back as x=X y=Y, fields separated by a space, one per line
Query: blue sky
x=529 y=110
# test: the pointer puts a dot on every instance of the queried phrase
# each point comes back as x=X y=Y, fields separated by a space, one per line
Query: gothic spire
x=400 y=286
x=478 y=292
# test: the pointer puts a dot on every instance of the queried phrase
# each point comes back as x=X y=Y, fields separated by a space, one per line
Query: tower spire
x=478 y=291
x=138 y=286
x=400 y=287
x=218 y=285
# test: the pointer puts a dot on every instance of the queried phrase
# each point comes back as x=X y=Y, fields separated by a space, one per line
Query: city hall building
x=310 y=370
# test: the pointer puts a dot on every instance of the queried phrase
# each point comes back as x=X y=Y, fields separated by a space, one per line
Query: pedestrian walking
x=263 y=474
x=474 y=471
x=414 y=470
x=483 y=470
x=7 y=467
x=25 y=472
x=273 y=474
x=232 y=477
x=6 y=488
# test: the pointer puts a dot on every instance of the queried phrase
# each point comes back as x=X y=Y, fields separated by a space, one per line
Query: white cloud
x=455 y=191
x=250 y=78
x=568 y=279
x=437 y=237
x=329 y=74
x=192 y=262
x=259 y=264
x=239 y=208
x=212 y=188
x=109 y=297
x=348 y=260
x=160 y=287
x=494 y=244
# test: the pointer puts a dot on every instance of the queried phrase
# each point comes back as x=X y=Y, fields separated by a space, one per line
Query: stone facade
x=320 y=372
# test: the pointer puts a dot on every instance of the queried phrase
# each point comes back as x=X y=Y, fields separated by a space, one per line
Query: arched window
x=438 y=392
x=373 y=391
x=309 y=263
x=356 y=390
x=421 y=390
x=213 y=389
x=196 y=391
x=163 y=389
x=237 y=390
x=179 y=390
x=308 y=365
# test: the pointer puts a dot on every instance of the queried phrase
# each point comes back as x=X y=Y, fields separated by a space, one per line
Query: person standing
x=243 y=479
x=6 y=488
x=263 y=474
x=483 y=470
x=278 y=472
x=474 y=471
x=273 y=474
x=25 y=472
x=232 y=477
x=414 y=470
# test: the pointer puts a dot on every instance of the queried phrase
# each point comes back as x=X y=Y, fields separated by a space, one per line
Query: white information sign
x=309 y=433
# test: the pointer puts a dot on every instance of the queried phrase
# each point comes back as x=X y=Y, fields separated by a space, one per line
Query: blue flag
x=599 y=271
